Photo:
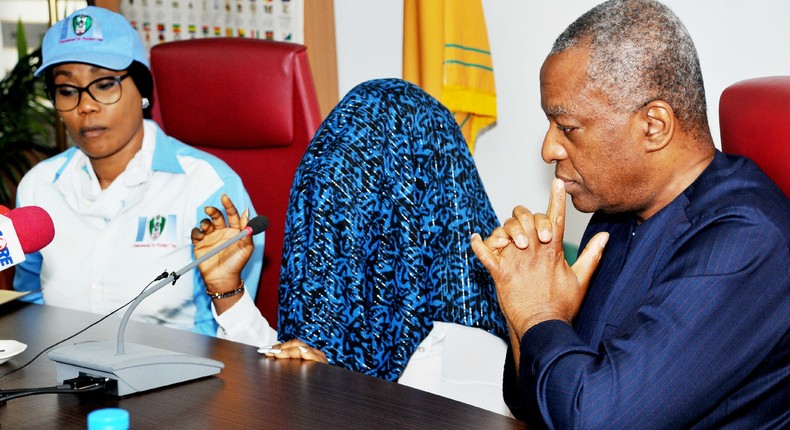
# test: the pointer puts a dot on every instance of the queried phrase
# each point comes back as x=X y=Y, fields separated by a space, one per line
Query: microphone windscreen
x=33 y=226
x=258 y=224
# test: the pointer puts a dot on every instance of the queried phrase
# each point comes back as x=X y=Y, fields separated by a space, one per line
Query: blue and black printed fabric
x=381 y=211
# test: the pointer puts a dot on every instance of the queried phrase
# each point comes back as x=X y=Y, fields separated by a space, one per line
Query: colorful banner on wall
x=446 y=53
x=160 y=21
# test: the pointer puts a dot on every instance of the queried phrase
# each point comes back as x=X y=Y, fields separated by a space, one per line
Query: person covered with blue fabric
x=129 y=202
x=377 y=270
x=677 y=311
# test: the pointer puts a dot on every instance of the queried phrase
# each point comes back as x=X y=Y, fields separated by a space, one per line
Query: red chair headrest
x=237 y=106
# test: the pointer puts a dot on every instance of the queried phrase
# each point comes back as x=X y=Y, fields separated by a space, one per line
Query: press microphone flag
x=138 y=367
x=23 y=230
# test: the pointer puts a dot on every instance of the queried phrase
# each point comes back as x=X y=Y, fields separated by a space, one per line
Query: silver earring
x=146 y=103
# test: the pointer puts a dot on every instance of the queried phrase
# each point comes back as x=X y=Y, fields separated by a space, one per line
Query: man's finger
x=497 y=241
x=483 y=253
x=520 y=227
x=589 y=258
x=556 y=212
x=544 y=228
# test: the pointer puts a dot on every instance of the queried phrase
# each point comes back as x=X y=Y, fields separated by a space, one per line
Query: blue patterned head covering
x=377 y=247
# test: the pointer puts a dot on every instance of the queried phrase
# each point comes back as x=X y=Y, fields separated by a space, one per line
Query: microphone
x=23 y=230
x=138 y=367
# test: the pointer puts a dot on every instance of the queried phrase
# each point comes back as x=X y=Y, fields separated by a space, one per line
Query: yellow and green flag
x=446 y=53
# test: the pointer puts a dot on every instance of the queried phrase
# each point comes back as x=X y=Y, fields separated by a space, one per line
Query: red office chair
x=754 y=117
x=253 y=104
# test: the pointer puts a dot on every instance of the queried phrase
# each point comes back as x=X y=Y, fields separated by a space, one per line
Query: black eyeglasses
x=104 y=90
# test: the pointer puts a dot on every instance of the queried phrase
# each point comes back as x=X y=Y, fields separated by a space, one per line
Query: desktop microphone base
x=140 y=368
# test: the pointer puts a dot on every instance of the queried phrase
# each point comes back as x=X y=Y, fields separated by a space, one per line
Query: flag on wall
x=446 y=53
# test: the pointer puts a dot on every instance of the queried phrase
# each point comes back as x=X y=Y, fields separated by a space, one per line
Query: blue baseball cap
x=95 y=36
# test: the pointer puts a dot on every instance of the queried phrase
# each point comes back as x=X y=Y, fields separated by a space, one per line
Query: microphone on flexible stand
x=138 y=367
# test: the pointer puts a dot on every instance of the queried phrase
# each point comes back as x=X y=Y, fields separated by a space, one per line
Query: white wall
x=736 y=39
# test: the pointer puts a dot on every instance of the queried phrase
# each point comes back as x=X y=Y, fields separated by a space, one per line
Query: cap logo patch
x=81 y=24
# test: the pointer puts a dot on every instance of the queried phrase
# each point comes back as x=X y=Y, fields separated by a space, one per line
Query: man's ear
x=660 y=123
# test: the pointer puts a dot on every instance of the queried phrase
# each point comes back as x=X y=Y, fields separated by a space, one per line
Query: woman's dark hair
x=144 y=82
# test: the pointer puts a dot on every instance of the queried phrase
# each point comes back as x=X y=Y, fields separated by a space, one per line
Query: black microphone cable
x=84 y=383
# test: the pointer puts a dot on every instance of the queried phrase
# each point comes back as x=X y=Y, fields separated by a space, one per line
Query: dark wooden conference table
x=252 y=391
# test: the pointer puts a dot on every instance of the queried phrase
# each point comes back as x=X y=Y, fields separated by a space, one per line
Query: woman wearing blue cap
x=128 y=202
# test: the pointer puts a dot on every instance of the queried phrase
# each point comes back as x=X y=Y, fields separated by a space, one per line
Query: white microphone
x=138 y=367
x=23 y=230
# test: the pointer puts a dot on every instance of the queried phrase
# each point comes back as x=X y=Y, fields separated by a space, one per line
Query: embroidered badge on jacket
x=156 y=231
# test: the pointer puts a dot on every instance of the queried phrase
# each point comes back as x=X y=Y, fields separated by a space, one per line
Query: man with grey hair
x=677 y=311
